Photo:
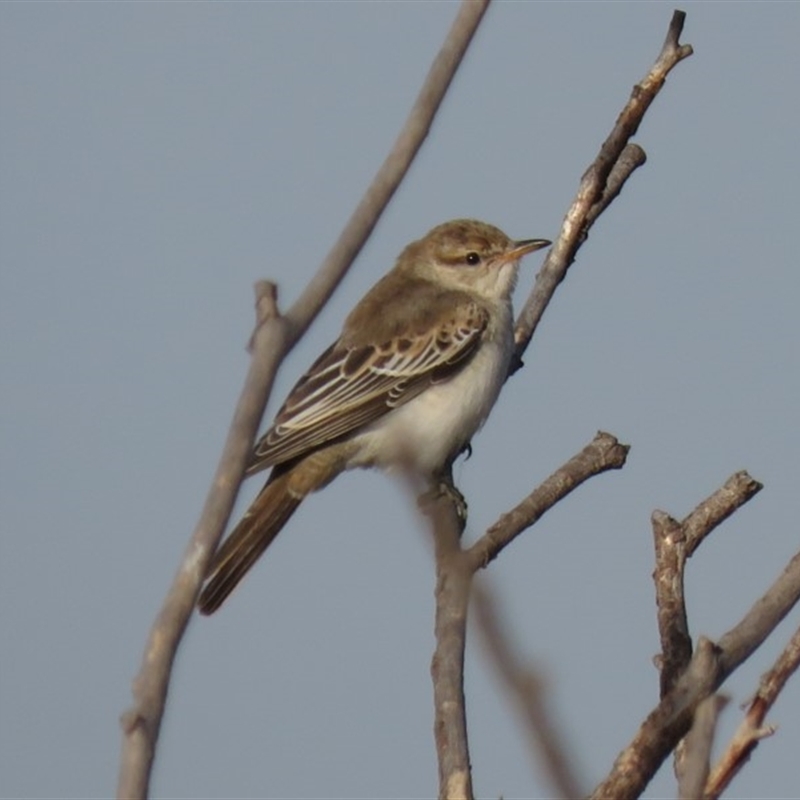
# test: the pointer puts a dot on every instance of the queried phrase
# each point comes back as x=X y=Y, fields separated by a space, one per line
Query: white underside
x=434 y=427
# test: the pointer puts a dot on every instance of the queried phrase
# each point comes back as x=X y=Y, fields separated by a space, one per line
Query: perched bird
x=418 y=366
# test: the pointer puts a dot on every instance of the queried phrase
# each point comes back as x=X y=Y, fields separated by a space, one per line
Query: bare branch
x=604 y=452
x=454 y=570
x=631 y=158
x=600 y=184
x=453 y=581
x=273 y=338
x=709 y=668
x=393 y=169
x=673 y=627
x=142 y=722
x=663 y=728
x=767 y=612
x=735 y=492
x=697 y=748
x=526 y=688
x=675 y=542
x=752 y=729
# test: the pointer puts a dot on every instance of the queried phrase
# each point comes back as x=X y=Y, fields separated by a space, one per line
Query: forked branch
x=601 y=183
x=709 y=667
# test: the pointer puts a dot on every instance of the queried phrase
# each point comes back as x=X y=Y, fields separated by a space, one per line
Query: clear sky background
x=158 y=158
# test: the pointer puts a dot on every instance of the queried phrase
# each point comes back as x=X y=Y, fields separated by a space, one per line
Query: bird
x=418 y=365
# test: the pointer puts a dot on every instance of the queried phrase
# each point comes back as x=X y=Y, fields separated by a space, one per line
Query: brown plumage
x=414 y=373
x=263 y=521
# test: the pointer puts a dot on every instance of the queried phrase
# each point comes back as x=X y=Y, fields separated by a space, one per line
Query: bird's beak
x=525 y=246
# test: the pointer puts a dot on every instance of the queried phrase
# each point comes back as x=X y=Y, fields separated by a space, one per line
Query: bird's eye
x=473 y=258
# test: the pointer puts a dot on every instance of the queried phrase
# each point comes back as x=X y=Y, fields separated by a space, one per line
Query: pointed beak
x=525 y=246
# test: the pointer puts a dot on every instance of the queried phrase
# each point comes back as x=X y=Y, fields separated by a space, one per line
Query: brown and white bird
x=418 y=366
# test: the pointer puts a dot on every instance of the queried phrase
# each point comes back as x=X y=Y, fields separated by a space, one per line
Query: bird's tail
x=263 y=521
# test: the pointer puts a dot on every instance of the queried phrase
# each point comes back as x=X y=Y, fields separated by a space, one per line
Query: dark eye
x=473 y=258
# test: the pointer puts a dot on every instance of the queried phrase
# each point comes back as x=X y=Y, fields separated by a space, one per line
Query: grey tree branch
x=735 y=492
x=604 y=452
x=675 y=542
x=142 y=722
x=272 y=340
x=709 y=667
x=697 y=753
x=603 y=181
x=453 y=582
x=673 y=626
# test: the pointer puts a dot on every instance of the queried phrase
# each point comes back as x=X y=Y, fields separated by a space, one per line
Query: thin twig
x=752 y=729
x=272 y=341
x=735 y=492
x=600 y=184
x=393 y=170
x=604 y=452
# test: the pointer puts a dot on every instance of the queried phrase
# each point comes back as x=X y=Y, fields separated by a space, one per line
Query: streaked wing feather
x=347 y=388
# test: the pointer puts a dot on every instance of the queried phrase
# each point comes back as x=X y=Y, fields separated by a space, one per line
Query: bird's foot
x=443 y=487
x=447 y=488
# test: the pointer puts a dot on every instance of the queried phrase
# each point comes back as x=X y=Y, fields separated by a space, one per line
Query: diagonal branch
x=274 y=338
x=752 y=729
x=393 y=169
x=603 y=181
x=604 y=452
x=734 y=493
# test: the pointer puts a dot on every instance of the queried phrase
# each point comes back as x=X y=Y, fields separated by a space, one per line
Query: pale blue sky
x=158 y=158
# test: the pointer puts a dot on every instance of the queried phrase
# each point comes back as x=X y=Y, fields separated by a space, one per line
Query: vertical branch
x=673 y=627
x=675 y=542
x=695 y=767
x=455 y=568
x=453 y=582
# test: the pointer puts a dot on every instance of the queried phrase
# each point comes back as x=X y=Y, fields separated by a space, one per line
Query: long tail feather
x=250 y=538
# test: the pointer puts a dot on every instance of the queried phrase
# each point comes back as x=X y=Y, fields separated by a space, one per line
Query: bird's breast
x=434 y=426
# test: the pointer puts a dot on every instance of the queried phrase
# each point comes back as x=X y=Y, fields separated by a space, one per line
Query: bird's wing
x=348 y=387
